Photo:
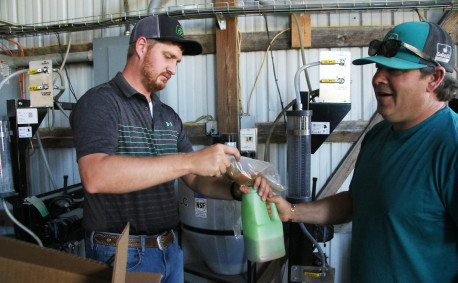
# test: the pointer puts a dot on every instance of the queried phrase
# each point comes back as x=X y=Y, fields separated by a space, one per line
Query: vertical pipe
x=6 y=173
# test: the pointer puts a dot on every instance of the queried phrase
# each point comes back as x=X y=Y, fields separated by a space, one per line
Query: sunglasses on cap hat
x=390 y=47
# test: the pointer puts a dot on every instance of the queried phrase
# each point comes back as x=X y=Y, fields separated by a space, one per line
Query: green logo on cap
x=179 y=31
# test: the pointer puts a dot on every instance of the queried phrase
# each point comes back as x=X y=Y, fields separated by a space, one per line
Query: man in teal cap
x=403 y=197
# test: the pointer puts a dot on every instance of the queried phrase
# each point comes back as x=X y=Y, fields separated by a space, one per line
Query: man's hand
x=260 y=184
x=283 y=207
x=212 y=160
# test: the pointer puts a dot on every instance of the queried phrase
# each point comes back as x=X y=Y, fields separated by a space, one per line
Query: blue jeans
x=168 y=262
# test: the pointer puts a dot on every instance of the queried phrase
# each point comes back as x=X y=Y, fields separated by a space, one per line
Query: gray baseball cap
x=164 y=28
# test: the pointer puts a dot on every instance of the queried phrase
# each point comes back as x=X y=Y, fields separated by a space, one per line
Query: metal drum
x=207 y=224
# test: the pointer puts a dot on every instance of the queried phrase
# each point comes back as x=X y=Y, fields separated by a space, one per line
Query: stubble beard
x=149 y=79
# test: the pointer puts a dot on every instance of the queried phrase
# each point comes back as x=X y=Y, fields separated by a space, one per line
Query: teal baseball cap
x=412 y=45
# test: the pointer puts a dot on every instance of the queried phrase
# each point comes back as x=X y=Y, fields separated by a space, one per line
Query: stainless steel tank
x=208 y=224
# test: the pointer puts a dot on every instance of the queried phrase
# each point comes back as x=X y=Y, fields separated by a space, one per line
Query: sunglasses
x=390 y=47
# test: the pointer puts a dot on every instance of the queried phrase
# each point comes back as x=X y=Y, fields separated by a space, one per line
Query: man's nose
x=172 y=69
x=379 y=77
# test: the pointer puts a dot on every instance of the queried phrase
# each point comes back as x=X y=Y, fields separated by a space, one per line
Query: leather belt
x=160 y=242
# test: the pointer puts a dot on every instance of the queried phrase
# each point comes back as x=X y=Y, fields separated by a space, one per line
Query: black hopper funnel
x=330 y=112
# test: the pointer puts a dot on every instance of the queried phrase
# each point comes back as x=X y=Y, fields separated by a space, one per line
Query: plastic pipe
x=17 y=73
x=296 y=85
x=315 y=243
x=20 y=224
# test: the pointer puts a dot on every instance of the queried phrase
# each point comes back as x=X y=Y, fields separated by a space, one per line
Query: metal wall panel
x=61 y=161
x=191 y=92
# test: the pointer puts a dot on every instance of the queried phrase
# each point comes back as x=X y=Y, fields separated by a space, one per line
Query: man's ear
x=436 y=78
x=141 y=46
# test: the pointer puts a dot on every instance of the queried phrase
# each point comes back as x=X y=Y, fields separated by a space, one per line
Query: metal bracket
x=221 y=21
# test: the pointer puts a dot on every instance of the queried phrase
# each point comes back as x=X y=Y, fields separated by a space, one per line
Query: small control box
x=40 y=83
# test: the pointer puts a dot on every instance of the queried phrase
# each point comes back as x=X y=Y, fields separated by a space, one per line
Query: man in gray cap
x=403 y=197
x=131 y=147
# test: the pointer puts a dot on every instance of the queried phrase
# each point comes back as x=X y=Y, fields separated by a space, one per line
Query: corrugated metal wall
x=192 y=91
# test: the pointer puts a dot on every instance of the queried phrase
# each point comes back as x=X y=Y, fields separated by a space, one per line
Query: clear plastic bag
x=236 y=216
x=245 y=171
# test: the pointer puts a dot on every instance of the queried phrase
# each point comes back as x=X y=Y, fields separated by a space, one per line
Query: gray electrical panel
x=9 y=89
x=109 y=57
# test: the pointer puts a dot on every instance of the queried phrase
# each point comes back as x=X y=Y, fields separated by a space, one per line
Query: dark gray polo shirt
x=113 y=118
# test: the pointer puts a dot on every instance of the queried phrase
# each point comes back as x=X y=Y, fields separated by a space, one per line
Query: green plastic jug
x=263 y=235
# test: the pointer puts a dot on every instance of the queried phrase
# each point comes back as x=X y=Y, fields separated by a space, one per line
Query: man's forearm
x=103 y=173
x=335 y=209
x=213 y=187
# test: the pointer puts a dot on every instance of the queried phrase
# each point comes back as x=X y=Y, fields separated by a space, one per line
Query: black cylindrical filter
x=299 y=139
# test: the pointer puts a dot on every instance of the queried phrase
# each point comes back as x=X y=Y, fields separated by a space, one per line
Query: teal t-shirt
x=405 y=197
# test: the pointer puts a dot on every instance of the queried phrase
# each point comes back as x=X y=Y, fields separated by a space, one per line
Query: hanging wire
x=274 y=69
x=70 y=86
x=260 y=69
x=271 y=130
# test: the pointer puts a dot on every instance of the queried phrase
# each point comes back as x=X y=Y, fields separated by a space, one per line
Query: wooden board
x=226 y=78
x=305 y=30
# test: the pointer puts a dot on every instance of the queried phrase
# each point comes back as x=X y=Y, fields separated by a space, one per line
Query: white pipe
x=21 y=225
x=43 y=155
x=75 y=57
x=154 y=4
x=67 y=52
x=296 y=84
x=17 y=73
x=315 y=243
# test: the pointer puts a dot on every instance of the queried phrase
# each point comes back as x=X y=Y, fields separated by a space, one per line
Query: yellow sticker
x=328 y=62
x=311 y=274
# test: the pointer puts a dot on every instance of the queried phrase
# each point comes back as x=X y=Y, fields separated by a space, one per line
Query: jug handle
x=275 y=215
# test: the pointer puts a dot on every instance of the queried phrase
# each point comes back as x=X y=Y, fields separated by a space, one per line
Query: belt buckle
x=159 y=242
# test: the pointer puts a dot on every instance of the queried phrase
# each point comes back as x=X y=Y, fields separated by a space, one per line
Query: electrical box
x=40 y=83
x=248 y=140
x=109 y=57
x=248 y=136
x=335 y=76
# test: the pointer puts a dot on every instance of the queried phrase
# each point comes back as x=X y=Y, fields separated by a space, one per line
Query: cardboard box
x=25 y=262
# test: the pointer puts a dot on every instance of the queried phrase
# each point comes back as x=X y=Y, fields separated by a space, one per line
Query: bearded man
x=131 y=147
